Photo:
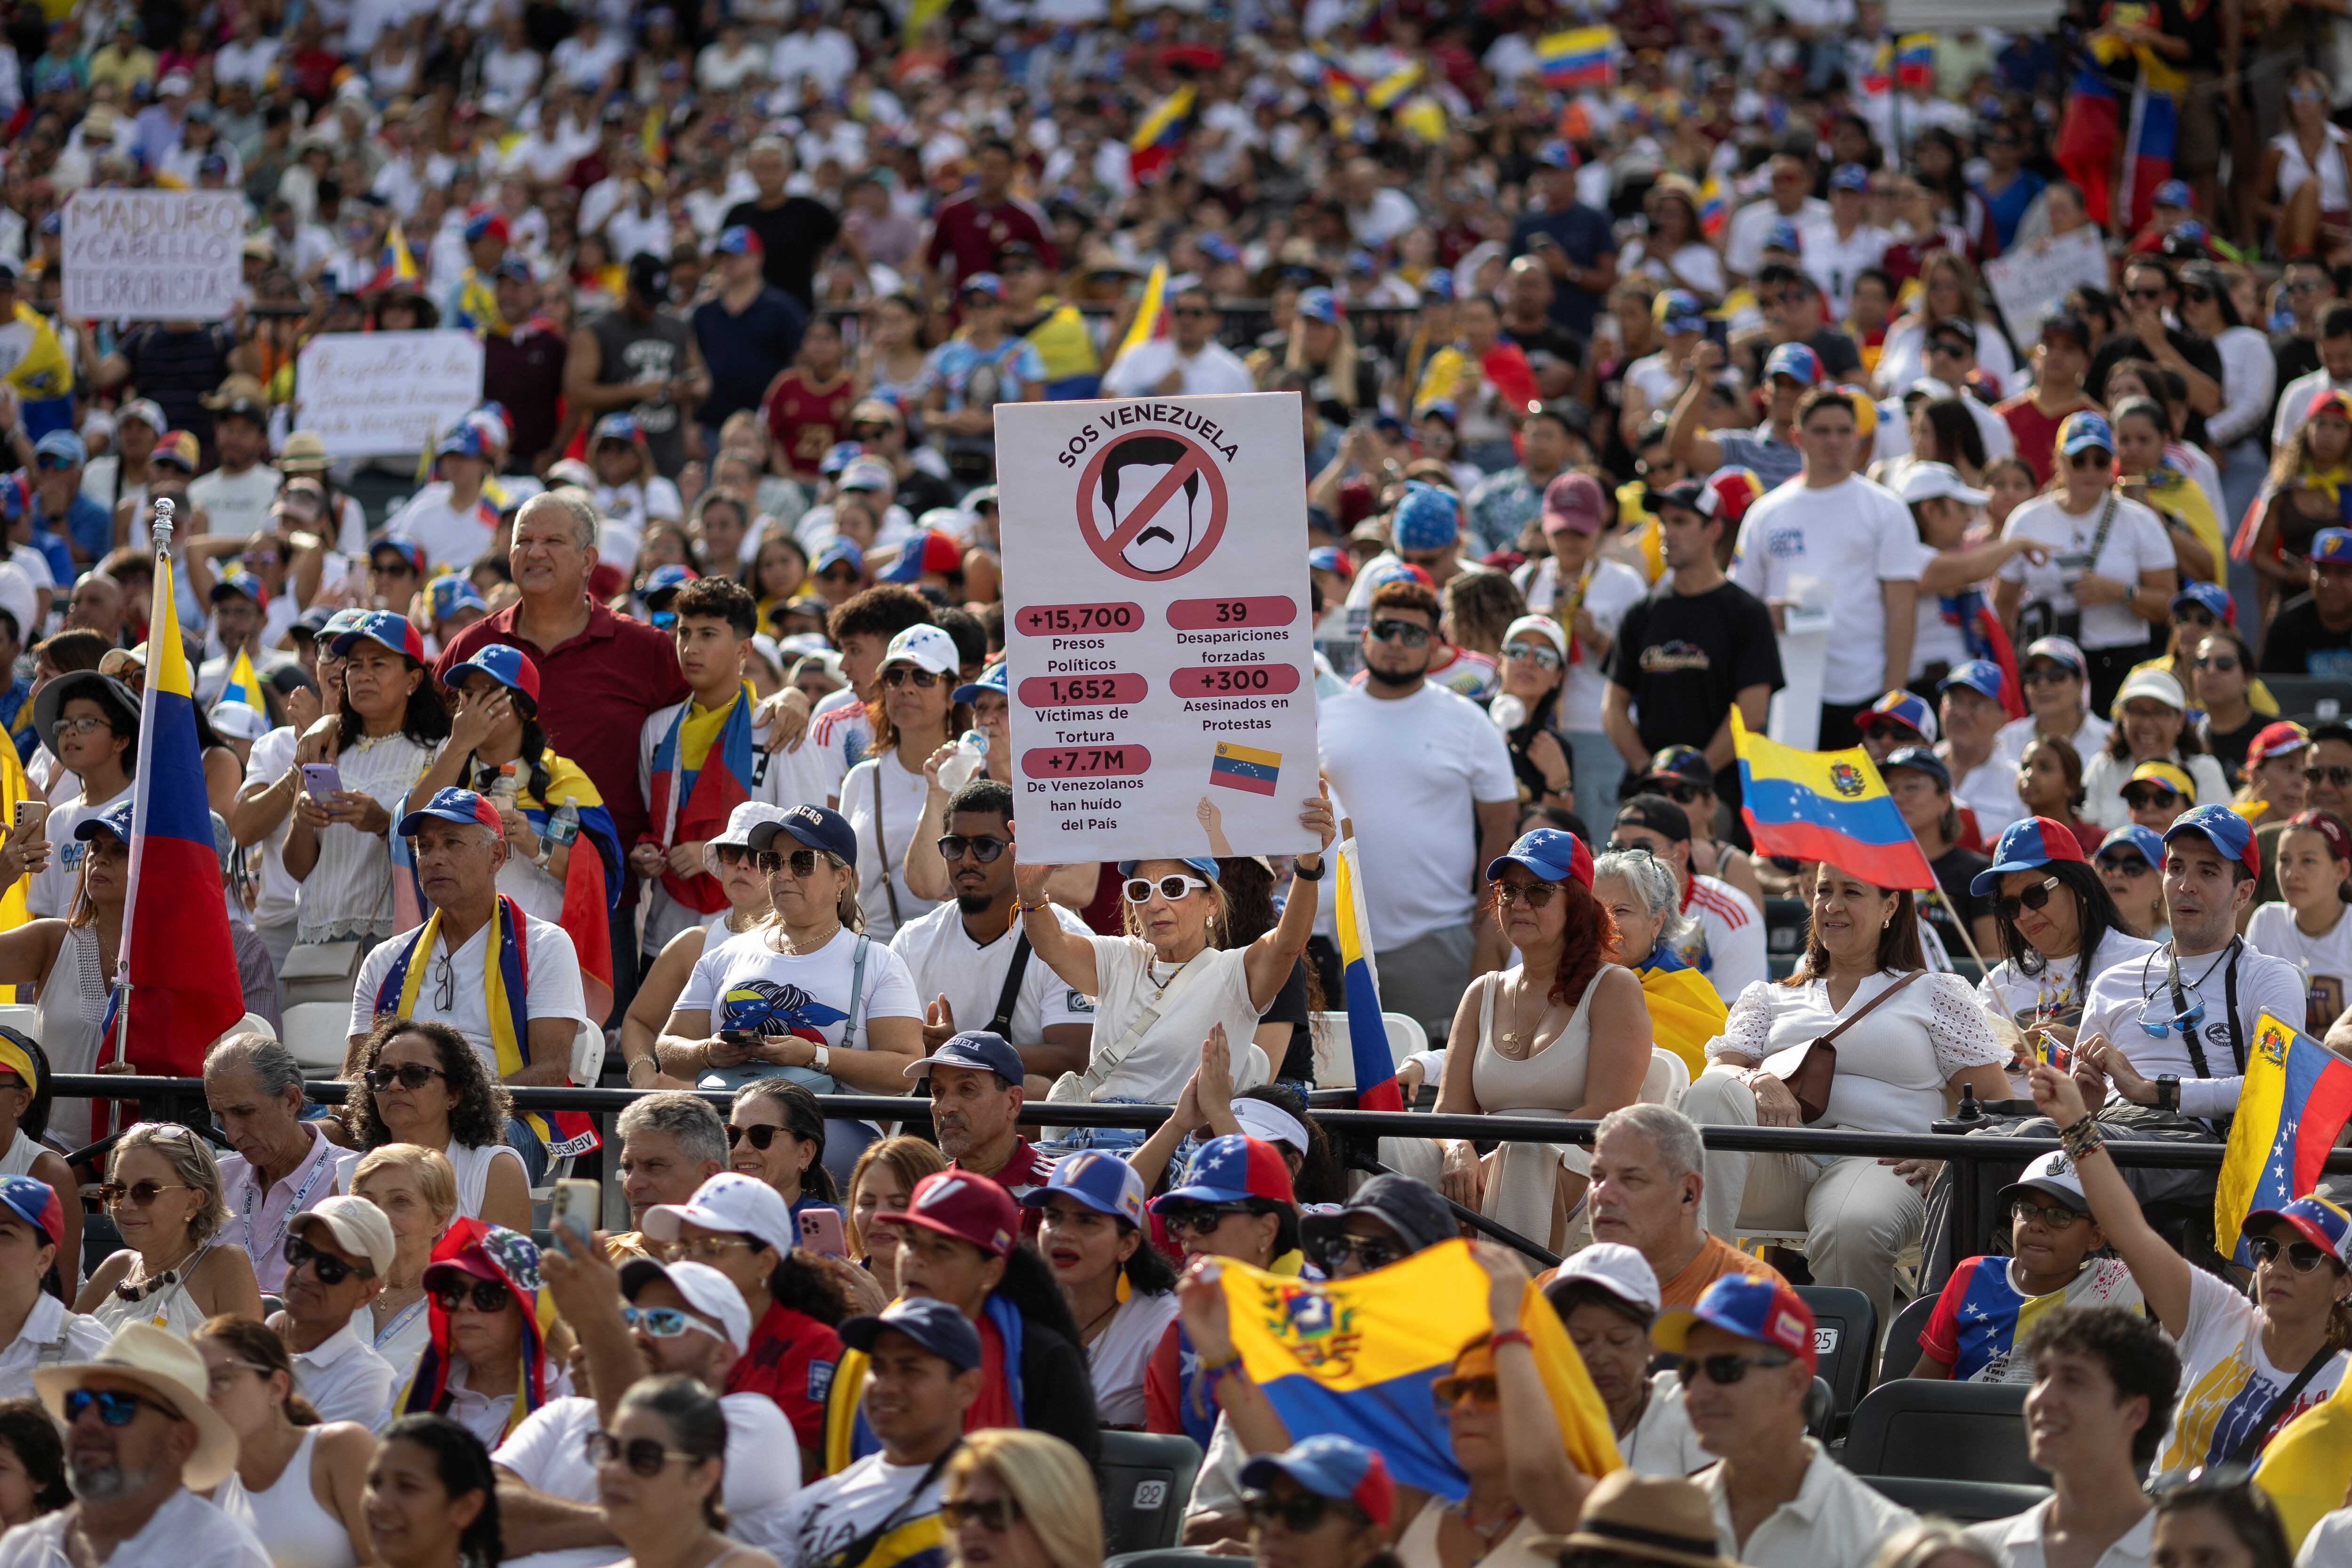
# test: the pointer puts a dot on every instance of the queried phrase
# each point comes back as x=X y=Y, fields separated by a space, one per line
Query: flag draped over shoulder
x=701 y=771
x=1358 y=1357
x=1367 y=1035
x=2296 y=1099
x=1685 y=1011
x=1826 y=806
x=592 y=878
x=177 y=958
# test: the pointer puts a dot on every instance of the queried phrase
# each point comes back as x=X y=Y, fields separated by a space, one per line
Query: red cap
x=963 y=1206
x=2275 y=740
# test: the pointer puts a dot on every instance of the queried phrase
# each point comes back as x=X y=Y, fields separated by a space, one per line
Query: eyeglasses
x=140 y=1195
x=759 y=1136
x=1541 y=658
x=2338 y=777
x=665 y=1323
x=2303 y=1257
x=644 y=1456
x=704 y=1248
x=116 y=1407
x=899 y=675
x=2144 y=294
x=1370 y=1252
x=953 y=846
x=409 y=1075
x=332 y=1270
x=1403 y=631
x=1170 y=887
x=1448 y=1391
x=2053 y=1217
x=1534 y=895
x=996 y=1515
x=1298 y=1515
x=2047 y=675
x=803 y=862
x=1726 y=1369
x=2125 y=865
x=82 y=725
x=487 y=1296
x=1199 y=1218
x=2034 y=897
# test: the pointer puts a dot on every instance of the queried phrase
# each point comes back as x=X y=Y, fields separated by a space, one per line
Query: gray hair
x=1653 y=886
x=689 y=1118
x=272 y=1065
x=1671 y=1134
x=585 y=525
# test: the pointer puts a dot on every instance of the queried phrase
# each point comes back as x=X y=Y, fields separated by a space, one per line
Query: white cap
x=727 y=1201
x=706 y=1290
x=2156 y=683
x=867 y=474
x=20 y=598
x=737 y=835
x=1934 y=481
x=1930 y=387
x=2055 y=1175
x=357 y=1226
x=1269 y=1123
x=926 y=647
x=147 y=411
x=1616 y=1268
x=765 y=646
x=1543 y=626
x=239 y=721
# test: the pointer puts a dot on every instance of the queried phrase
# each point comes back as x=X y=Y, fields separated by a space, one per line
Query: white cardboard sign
x=1158 y=626
x=2030 y=281
x=385 y=394
x=153 y=256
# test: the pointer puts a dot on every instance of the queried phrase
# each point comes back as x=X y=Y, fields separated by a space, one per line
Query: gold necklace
x=791 y=949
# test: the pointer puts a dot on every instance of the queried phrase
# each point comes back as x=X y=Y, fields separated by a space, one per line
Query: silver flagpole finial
x=165 y=506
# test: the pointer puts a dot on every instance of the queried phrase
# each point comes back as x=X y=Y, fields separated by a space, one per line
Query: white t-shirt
x=2324 y=961
x=186 y=1530
x=548 y=1453
x=1412 y=771
x=809 y=992
x=1990 y=790
x=1830 y=549
x=778 y=778
x=2136 y=542
x=1663 y=1442
x=453 y=539
x=1143 y=368
x=1611 y=588
x=553 y=988
x=2018 y=1540
x=2329 y=1544
x=1154 y=1070
x=2265 y=984
x=840 y=734
x=1119 y=1359
x=840 y=1508
x=943 y=960
x=236 y=503
x=2227 y=1384
x=278 y=891
x=51 y=893
x=2009 y=994
x=885 y=802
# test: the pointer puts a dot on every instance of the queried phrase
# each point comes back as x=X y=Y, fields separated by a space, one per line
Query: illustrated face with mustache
x=1130 y=474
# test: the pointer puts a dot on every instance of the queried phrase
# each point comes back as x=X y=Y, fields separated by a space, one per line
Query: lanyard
x=301 y=1194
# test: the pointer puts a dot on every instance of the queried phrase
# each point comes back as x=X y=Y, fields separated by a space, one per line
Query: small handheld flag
x=1581 y=56
x=1150 y=312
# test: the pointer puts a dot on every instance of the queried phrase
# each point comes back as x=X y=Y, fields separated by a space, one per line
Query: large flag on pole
x=1368 y=1036
x=2296 y=1099
x=1826 y=806
x=180 y=970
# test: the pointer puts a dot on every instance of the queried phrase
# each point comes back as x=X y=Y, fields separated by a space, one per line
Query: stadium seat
x=1335 y=1067
x=1145 y=1479
x=2310 y=697
x=1784 y=926
x=1663 y=1084
x=1965 y=1503
x=1821 y=1410
x=318 y=1033
x=22 y=1019
x=1936 y=1430
x=1845 y=1340
x=1902 y=1350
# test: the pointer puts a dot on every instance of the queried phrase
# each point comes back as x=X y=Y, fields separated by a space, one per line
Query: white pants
x=1857 y=1214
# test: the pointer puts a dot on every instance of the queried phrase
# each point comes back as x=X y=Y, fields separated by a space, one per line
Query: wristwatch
x=2167 y=1092
x=541 y=859
x=823 y=1060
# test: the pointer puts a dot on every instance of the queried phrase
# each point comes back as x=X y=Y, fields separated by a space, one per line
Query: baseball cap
x=739 y=241
x=34 y=1202
x=1412 y=1208
x=2329 y=400
x=926 y=646
x=1231 y=1168
x=995 y=678
x=1906 y=708
x=357 y=1225
x=1728 y=493
x=1552 y=854
x=728 y=1201
x=839 y=551
x=237 y=721
x=707 y=1291
x=1557 y=153
x=1617 y=1269
x=931 y=1323
x=930 y=550
x=1270 y=1124
x=2173 y=194
x=2275 y=740
x=837 y=456
x=62 y=444
x=2331 y=545
x=147 y=411
x=450 y=594
x=2132 y=836
x=1766 y=1310
x=1796 y=362
x=1333 y=559
x=1102 y=1182
x=2229 y=834
x=867 y=474
x=1981 y=676
x=465 y=441
x=178 y=446
x=2054 y=1175
x=1572 y=501
x=1784 y=235
x=1426 y=518
x=411 y=554
x=1849 y=177
x=503 y=662
x=1680 y=765
x=2172 y=775
x=513 y=269
x=490 y=224
x=1657 y=813
x=2215 y=599
x=2315 y=1219
x=2159 y=685
x=1543 y=626
x=243 y=583
x=2027 y=845
x=1330 y=1466
x=1918 y=759
x=2068 y=325
x=986 y=284
x=1934 y=481
x=1688 y=494
x=964 y=1206
x=1678 y=310
x=453 y=805
x=1319 y=305
x=2058 y=650
x=622 y=427
x=394 y=632
x=817 y=827
x=978 y=1049
x=2085 y=431
x=662 y=583
x=114 y=822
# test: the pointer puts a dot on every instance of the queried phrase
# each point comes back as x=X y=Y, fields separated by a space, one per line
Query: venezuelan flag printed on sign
x=1826 y=806
x=1242 y=767
x=2296 y=1099
x=1368 y=1036
x=1582 y=56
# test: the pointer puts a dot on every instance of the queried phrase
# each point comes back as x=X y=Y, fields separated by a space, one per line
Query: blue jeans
x=525 y=1142
x=1114 y=1140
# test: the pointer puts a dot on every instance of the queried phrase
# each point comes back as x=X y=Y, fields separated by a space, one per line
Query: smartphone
x=821 y=1232
x=1718 y=331
x=573 y=1215
x=33 y=814
x=321 y=779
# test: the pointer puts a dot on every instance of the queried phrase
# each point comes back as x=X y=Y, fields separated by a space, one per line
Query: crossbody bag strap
x=2229 y=995
x=1009 y=996
x=1881 y=1000
x=856 y=988
x=2252 y=1441
x=882 y=848
x=1098 y=1072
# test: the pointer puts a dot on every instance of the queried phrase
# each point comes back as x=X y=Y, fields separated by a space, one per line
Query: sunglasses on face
x=1541 y=658
x=802 y=862
x=733 y=854
x=409 y=1075
x=2195 y=615
x=1298 y=1515
x=2046 y=675
x=1188 y=311
x=954 y=846
x=2146 y=295
x=2149 y=797
x=663 y=1322
x=997 y=1515
x=1534 y=895
x=2304 y=95
x=2302 y=285
x=2303 y=1257
x=2125 y=865
x=837 y=574
x=1726 y=1369
x=2225 y=663
x=2092 y=459
x=899 y=675
x=1201 y=1218
x=2034 y=897
x=1403 y=631
x=2339 y=776
x=2053 y=1217
x=644 y=1456
x=1952 y=349
x=486 y=1296
x=759 y=1136
x=1370 y=1252
x=116 y=1407
x=1171 y=888
x=49 y=462
x=332 y=1270
x=2196 y=296
x=138 y=1195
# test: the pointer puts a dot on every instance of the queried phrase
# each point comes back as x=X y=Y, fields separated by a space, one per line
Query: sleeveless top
x=69 y=1019
x=288 y=1519
x=1418 y=1549
x=170 y=1307
x=18 y=1160
x=472 y=1164
x=1550 y=1084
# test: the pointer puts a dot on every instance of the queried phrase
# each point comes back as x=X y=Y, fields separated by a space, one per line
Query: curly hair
x=479 y=1105
x=1587 y=935
x=27 y=1431
x=191 y=1159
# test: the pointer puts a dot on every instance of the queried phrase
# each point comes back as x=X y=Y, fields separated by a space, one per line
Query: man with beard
x=975 y=1081
x=975 y=961
x=141 y=1443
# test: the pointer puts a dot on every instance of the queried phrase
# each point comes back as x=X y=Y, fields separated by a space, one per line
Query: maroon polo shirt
x=596 y=692
x=1026 y=1172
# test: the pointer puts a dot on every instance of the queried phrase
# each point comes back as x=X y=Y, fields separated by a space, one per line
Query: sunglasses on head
x=1448 y=1391
x=1726 y=1369
x=644 y=1456
x=802 y=862
x=2338 y=777
x=953 y=847
x=761 y=1136
x=664 y=1322
x=116 y=1407
x=2303 y=1257
x=997 y=1515
x=1170 y=887
x=704 y=1248
x=138 y=1195
x=2125 y=865
x=1370 y=1252
x=2034 y=897
x=897 y=675
x=330 y=1270
x=486 y=1295
x=410 y=1075
x=1403 y=631
x=1534 y=895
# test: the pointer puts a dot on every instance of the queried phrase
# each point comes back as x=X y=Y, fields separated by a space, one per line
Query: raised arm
x=1547 y=1486
x=1066 y=953
x=1273 y=955
x=2161 y=1273
x=926 y=873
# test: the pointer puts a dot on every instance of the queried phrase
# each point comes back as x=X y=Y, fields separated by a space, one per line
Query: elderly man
x=141 y=1443
x=975 y=1083
x=35 y=1326
x=1648 y=1176
x=335 y=1261
x=283 y=1165
x=671 y=1143
x=602 y=674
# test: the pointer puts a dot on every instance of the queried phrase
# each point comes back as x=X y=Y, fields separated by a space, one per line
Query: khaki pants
x=1857 y=1214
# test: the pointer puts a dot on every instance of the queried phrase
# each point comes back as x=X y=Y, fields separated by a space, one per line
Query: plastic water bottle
x=1507 y=712
x=970 y=753
x=507 y=784
x=565 y=825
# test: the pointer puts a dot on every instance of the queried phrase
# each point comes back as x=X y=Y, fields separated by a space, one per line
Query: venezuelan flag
x=1826 y=806
x=1368 y=1036
x=592 y=878
x=1393 y=86
x=2296 y=1099
x=1714 y=211
x=1581 y=56
x=1878 y=76
x=1358 y=1356
x=1241 y=768
x=2153 y=136
x=1151 y=314
x=1160 y=132
x=397 y=264
x=14 y=787
x=243 y=685
x=182 y=980
x=2308 y=1466
x=1915 y=59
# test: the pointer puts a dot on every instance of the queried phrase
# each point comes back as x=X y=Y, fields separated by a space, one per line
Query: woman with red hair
x=1563 y=1034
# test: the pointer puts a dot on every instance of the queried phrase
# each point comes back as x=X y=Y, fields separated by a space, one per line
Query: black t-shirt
x=2297 y=645
x=2199 y=351
x=1548 y=338
x=1685 y=657
x=2296 y=357
x=744 y=352
x=921 y=490
x=1840 y=360
x=1955 y=869
x=795 y=234
x=2229 y=746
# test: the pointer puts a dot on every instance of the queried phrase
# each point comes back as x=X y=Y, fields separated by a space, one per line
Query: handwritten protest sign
x=153 y=256
x=1157 y=624
x=2030 y=282
x=379 y=394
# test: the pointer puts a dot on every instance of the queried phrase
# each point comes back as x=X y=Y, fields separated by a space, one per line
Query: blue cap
x=662 y=583
x=1682 y=312
x=2229 y=834
x=1979 y=676
x=411 y=554
x=1438 y=285
x=1557 y=153
x=513 y=269
x=2173 y=194
x=817 y=827
x=1796 y=362
x=2058 y=650
x=1551 y=855
x=1784 y=235
x=466 y=441
x=2331 y=545
x=2085 y=431
x=2211 y=596
x=993 y=679
x=1340 y=1469
x=1442 y=407
x=1919 y=760
x=1201 y=863
x=452 y=805
x=1217 y=247
x=617 y=427
x=1231 y=1168
x=243 y=583
x=2313 y=1219
x=980 y=1049
x=114 y=822
x=839 y=549
x=62 y=444
x=449 y=594
x=1103 y=1182
x=503 y=662
x=837 y=456
x=739 y=241
x=2028 y=845
x=930 y=1323
x=1849 y=177
x=1906 y=708
x=394 y=632
x=986 y=283
x=1319 y=305
x=2132 y=836
x=1427 y=518
x=1766 y=1310
x=34 y=1202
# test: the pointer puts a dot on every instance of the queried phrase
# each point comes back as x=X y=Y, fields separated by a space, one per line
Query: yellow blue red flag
x=2308 y=1466
x=243 y=685
x=1582 y=56
x=1367 y=1035
x=1826 y=806
x=2296 y=1099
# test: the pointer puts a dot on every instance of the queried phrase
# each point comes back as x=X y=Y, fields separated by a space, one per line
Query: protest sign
x=1158 y=626
x=385 y=394
x=153 y=256
x=2030 y=282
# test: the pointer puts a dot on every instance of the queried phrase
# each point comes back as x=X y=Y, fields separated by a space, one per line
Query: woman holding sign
x=1163 y=986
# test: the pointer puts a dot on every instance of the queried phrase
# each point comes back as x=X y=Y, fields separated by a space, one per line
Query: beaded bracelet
x=2082 y=1140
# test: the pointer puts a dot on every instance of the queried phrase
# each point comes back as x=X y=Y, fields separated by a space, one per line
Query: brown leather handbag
x=1809 y=1079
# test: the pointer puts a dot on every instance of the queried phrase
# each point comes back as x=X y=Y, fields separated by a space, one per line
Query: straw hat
x=170 y=1369
x=304 y=453
x=1657 y=1519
